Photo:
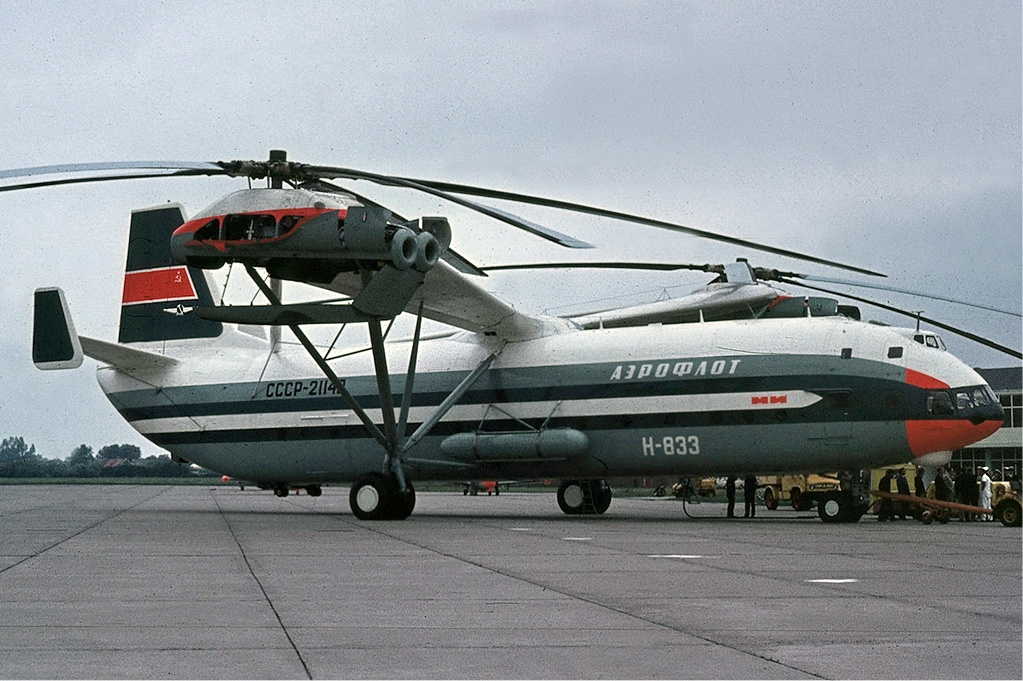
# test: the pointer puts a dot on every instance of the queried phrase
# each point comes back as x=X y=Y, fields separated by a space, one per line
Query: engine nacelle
x=311 y=242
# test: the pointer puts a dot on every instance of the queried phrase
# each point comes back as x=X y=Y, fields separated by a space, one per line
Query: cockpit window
x=972 y=398
x=930 y=340
x=939 y=403
x=964 y=400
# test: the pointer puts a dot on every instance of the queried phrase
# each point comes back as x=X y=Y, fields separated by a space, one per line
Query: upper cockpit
x=925 y=338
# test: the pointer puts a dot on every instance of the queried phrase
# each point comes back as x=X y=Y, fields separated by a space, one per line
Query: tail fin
x=160 y=296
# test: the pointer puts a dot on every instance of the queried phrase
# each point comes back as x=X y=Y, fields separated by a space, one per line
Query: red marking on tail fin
x=158 y=286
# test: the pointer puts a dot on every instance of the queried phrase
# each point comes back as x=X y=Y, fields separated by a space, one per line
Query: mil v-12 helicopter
x=736 y=377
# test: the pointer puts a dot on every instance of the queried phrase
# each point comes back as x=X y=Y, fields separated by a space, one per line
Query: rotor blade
x=656 y=267
x=503 y=216
x=146 y=169
x=114 y=165
x=769 y=275
x=960 y=332
x=592 y=210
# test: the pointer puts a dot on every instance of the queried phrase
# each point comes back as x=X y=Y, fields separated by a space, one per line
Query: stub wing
x=450 y=297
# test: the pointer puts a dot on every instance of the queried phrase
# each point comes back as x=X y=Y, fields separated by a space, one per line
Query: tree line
x=20 y=460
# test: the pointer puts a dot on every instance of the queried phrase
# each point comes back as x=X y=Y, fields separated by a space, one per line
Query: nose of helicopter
x=975 y=413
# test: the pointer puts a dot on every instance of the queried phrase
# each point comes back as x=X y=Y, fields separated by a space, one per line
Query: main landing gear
x=584 y=497
x=376 y=496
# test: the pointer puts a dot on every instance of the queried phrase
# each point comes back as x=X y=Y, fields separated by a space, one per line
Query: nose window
x=940 y=403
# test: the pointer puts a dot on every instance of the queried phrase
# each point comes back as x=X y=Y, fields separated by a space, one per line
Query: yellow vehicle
x=1005 y=503
x=802 y=491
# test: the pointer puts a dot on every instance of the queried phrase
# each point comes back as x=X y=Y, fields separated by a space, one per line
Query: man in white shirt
x=985 y=491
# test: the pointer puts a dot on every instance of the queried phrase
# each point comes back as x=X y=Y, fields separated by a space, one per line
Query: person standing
x=985 y=492
x=730 y=493
x=886 y=511
x=963 y=482
x=943 y=485
x=902 y=484
x=919 y=488
x=749 y=493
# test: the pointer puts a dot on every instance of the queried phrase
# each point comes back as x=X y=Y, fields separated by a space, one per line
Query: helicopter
x=737 y=377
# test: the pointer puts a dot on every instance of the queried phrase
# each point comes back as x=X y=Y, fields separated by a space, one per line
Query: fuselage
x=749 y=396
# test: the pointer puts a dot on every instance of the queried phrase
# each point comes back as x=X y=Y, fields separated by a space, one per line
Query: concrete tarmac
x=214 y=582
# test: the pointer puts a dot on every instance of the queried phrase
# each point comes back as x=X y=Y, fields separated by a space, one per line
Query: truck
x=1005 y=503
x=802 y=491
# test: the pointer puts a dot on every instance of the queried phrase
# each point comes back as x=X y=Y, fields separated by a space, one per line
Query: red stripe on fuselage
x=158 y=286
x=921 y=380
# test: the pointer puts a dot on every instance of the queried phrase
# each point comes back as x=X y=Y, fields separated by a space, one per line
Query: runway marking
x=674 y=555
x=520 y=529
x=833 y=581
x=577 y=538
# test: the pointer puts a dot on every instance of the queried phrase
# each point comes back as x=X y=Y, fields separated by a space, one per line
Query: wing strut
x=338 y=383
x=386 y=495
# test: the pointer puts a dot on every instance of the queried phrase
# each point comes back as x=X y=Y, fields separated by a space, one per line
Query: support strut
x=338 y=384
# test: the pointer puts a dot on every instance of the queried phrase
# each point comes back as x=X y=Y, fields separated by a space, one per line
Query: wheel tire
x=314 y=490
x=281 y=491
x=404 y=502
x=571 y=497
x=927 y=517
x=770 y=500
x=601 y=494
x=1009 y=512
x=373 y=497
x=834 y=507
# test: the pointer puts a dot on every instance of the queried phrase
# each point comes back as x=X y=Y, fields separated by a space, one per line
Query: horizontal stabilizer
x=55 y=344
x=125 y=358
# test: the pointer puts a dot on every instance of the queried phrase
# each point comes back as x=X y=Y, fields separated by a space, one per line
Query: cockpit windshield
x=974 y=397
x=961 y=400
x=930 y=340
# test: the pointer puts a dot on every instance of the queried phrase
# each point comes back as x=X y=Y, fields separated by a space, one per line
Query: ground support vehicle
x=802 y=491
x=1006 y=505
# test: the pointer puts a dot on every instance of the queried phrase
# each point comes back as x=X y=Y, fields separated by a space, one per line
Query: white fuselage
x=715 y=398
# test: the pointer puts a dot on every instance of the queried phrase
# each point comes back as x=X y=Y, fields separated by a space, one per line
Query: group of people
x=890 y=509
x=749 y=493
x=950 y=484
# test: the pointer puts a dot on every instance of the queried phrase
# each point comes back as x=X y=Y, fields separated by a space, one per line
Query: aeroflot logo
x=718 y=367
x=770 y=399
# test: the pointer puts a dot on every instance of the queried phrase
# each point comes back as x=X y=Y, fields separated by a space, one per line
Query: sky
x=884 y=135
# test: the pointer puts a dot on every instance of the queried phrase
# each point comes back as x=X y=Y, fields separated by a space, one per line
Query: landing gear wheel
x=834 y=507
x=281 y=491
x=404 y=502
x=571 y=497
x=314 y=490
x=601 y=494
x=373 y=497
